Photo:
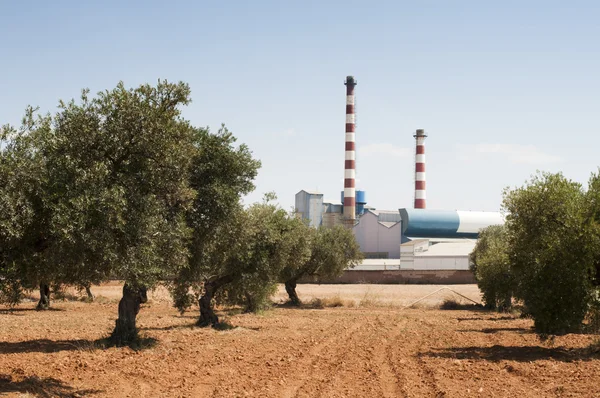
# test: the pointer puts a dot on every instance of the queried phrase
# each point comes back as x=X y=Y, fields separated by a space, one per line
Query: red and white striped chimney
x=420 y=196
x=350 y=163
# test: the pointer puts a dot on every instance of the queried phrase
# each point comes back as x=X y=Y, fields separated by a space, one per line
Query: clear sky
x=503 y=88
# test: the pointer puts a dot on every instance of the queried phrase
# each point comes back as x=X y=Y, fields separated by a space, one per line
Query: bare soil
x=371 y=347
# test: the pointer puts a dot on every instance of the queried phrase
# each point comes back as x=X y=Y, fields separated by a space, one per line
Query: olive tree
x=120 y=166
x=491 y=266
x=552 y=248
x=254 y=290
x=111 y=196
x=246 y=252
x=26 y=217
x=220 y=173
x=332 y=250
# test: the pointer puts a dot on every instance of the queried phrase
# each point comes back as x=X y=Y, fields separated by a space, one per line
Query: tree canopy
x=491 y=266
x=326 y=253
x=552 y=245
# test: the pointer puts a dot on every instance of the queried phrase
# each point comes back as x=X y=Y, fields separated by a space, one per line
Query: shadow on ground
x=520 y=354
x=44 y=388
x=496 y=330
x=49 y=346
x=46 y=346
x=170 y=327
x=491 y=318
x=19 y=310
x=450 y=305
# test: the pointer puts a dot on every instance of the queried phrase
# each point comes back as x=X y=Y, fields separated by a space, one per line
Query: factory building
x=309 y=206
x=379 y=234
x=417 y=245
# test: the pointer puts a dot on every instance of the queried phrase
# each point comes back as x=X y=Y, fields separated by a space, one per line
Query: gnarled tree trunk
x=44 y=302
x=125 y=329
x=207 y=313
x=88 y=290
x=251 y=304
x=290 y=288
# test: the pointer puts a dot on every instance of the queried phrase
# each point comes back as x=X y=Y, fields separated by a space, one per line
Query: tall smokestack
x=350 y=163
x=420 y=170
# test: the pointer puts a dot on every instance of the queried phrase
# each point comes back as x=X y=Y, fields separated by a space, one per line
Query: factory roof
x=378 y=212
x=414 y=242
x=449 y=249
x=310 y=192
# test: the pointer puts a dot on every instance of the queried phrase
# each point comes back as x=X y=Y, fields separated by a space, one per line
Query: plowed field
x=375 y=348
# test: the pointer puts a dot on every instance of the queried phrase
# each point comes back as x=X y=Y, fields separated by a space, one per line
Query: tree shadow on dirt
x=314 y=304
x=498 y=353
x=44 y=388
x=46 y=346
x=496 y=330
x=18 y=310
x=480 y=318
x=49 y=346
x=452 y=305
x=187 y=316
x=170 y=327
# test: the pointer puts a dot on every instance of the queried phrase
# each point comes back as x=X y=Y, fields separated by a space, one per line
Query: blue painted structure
x=361 y=201
x=423 y=223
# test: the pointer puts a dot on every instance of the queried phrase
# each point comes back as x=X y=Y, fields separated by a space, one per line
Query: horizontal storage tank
x=423 y=223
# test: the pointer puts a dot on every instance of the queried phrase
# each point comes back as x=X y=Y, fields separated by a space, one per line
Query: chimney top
x=350 y=81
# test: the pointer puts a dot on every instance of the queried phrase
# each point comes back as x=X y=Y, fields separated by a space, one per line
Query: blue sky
x=502 y=88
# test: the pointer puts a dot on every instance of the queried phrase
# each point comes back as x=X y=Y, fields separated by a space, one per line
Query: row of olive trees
x=120 y=185
x=546 y=255
x=251 y=253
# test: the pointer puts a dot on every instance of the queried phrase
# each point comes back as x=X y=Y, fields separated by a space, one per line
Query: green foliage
x=263 y=246
x=491 y=266
x=322 y=252
x=220 y=174
x=100 y=189
x=552 y=248
x=118 y=165
x=25 y=218
x=251 y=292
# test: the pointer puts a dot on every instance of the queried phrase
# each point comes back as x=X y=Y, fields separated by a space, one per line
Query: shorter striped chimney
x=420 y=179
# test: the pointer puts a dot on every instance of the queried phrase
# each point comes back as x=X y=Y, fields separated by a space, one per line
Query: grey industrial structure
x=404 y=245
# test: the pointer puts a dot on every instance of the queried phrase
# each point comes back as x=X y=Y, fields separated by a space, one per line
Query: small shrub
x=11 y=294
x=552 y=250
x=452 y=304
x=335 y=301
x=491 y=266
x=316 y=303
x=592 y=322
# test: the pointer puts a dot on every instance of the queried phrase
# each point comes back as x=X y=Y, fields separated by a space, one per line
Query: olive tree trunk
x=207 y=313
x=90 y=295
x=251 y=303
x=44 y=302
x=125 y=328
x=290 y=288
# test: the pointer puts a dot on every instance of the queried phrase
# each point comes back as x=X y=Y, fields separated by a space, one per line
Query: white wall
x=441 y=262
x=375 y=237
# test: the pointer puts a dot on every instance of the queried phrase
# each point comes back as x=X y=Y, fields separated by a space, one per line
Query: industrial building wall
x=310 y=206
x=374 y=237
x=441 y=263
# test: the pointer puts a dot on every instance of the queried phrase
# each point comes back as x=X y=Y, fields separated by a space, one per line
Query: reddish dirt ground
x=374 y=349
